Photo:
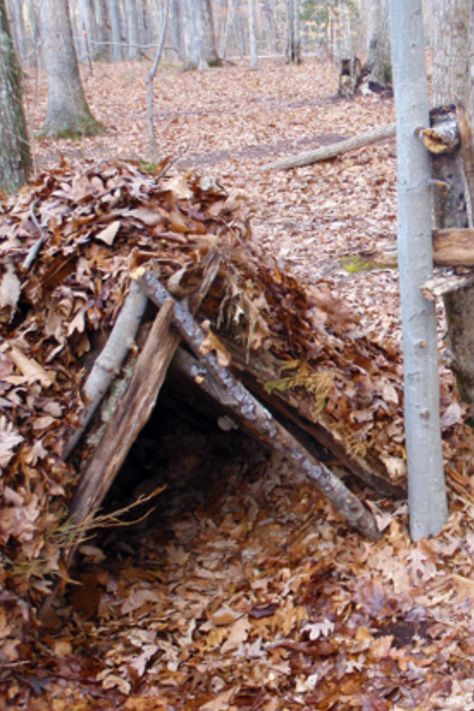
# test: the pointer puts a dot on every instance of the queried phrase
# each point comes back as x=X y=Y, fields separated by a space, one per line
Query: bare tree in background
x=67 y=111
x=193 y=34
x=15 y=157
x=378 y=56
x=252 y=34
x=293 y=46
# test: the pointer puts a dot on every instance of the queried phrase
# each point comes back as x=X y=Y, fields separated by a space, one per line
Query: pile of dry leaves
x=68 y=243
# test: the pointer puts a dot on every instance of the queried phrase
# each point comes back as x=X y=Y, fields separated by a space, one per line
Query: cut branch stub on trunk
x=256 y=418
x=327 y=152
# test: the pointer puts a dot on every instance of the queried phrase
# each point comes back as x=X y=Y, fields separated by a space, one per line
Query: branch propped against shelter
x=253 y=415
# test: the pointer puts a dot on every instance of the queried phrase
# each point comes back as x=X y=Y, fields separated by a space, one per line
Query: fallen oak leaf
x=109 y=233
x=221 y=702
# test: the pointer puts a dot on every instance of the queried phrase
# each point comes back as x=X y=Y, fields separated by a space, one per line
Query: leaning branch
x=109 y=362
x=337 y=149
x=253 y=415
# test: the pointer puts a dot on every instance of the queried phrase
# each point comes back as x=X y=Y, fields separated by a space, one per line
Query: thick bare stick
x=109 y=362
x=337 y=149
x=256 y=418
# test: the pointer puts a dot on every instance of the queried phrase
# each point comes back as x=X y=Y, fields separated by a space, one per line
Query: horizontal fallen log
x=254 y=416
x=328 y=152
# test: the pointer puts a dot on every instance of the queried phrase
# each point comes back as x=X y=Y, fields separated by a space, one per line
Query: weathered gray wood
x=109 y=362
x=256 y=418
x=320 y=154
x=426 y=486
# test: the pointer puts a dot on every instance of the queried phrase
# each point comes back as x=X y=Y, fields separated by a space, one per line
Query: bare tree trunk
x=270 y=26
x=293 y=47
x=88 y=30
x=15 y=157
x=177 y=28
x=115 y=23
x=252 y=34
x=453 y=82
x=67 y=111
x=102 y=22
x=150 y=79
x=193 y=31
x=379 y=60
x=132 y=29
x=426 y=487
x=210 y=46
x=229 y=9
x=18 y=28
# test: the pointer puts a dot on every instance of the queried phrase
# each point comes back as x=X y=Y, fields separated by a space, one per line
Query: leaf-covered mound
x=68 y=243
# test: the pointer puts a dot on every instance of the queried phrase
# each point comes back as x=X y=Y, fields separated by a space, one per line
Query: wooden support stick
x=256 y=418
x=109 y=362
x=337 y=149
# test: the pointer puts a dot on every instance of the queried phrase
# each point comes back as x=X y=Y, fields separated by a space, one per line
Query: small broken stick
x=254 y=416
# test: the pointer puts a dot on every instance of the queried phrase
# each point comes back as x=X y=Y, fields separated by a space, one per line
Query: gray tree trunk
x=426 y=487
x=177 y=29
x=88 y=30
x=210 y=45
x=15 y=157
x=269 y=23
x=293 y=45
x=67 y=111
x=116 y=27
x=102 y=22
x=379 y=59
x=453 y=43
x=193 y=32
x=18 y=28
x=132 y=29
x=252 y=34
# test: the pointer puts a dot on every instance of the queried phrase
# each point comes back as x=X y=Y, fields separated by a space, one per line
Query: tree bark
x=379 y=60
x=210 y=45
x=115 y=24
x=426 y=487
x=132 y=29
x=293 y=46
x=252 y=34
x=193 y=31
x=67 y=111
x=337 y=149
x=18 y=29
x=15 y=156
x=453 y=82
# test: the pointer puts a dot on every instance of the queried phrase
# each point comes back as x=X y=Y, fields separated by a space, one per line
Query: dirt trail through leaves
x=244 y=591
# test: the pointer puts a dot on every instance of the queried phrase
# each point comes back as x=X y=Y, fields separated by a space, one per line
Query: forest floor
x=243 y=590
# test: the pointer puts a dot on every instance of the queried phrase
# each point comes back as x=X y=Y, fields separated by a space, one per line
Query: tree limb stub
x=256 y=418
x=327 y=152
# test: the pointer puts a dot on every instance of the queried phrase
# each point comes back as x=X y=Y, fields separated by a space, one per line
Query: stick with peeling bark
x=256 y=418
